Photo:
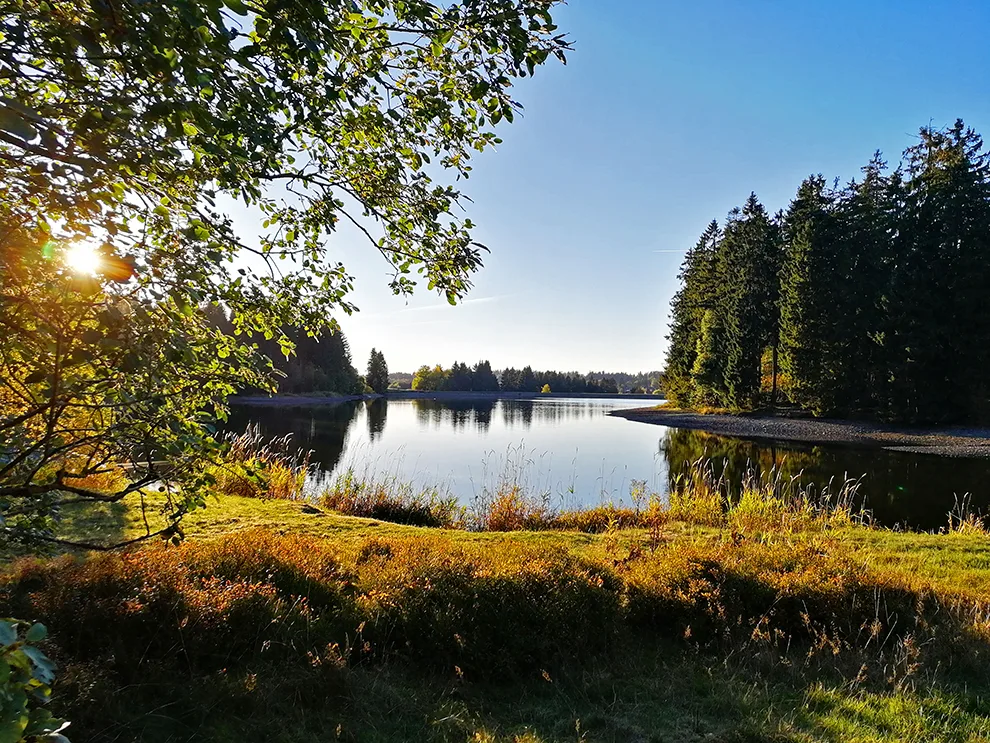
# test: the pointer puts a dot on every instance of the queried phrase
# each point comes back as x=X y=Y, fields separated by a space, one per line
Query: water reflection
x=477 y=414
x=584 y=455
x=896 y=487
x=377 y=413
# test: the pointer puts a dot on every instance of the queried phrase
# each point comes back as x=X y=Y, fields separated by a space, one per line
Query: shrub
x=26 y=675
x=491 y=606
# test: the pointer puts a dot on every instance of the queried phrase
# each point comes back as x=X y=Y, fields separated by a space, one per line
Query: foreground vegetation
x=278 y=619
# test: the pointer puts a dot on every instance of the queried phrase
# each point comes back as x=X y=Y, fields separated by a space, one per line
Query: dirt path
x=951 y=442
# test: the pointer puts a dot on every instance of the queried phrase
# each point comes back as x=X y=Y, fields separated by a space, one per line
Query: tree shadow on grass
x=102 y=524
x=660 y=694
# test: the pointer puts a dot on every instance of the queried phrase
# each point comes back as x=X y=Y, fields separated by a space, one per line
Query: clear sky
x=667 y=115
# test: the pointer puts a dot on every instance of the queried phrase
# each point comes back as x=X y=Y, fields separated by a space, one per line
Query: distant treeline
x=481 y=378
x=527 y=380
x=870 y=299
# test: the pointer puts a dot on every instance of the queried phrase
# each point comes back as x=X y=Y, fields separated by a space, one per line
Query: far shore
x=294 y=400
x=952 y=441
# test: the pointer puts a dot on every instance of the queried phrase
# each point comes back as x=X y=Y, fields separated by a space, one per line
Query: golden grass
x=776 y=623
x=256 y=467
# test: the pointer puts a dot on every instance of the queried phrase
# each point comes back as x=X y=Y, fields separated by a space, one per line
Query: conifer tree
x=707 y=374
x=807 y=302
x=697 y=295
x=483 y=379
x=749 y=260
x=869 y=213
x=377 y=377
x=527 y=382
x=940 y=292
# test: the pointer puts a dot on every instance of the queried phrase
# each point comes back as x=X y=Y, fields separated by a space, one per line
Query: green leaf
x=237 y=6
x=11 y=729
x=44 y=669
x=37 y=633
x=13 y=123
x=8 y=632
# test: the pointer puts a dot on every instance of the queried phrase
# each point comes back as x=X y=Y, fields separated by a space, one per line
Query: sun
x=83 y=258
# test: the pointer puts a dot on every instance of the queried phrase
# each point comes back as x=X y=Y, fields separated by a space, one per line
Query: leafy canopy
x=135 y=127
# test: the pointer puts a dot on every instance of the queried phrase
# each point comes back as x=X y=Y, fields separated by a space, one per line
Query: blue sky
x=667 y=115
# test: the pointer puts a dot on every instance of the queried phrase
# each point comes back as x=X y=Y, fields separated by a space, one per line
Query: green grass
x=956 y=561
x=646 y=683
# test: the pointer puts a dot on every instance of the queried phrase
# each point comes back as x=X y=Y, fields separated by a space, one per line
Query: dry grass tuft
x=388 y=499
x=255 y=466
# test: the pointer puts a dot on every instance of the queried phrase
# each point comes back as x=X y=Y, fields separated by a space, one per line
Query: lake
x=575 y=453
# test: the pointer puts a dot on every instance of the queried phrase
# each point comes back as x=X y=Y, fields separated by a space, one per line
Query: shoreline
x=955 y=441
x=305 y=400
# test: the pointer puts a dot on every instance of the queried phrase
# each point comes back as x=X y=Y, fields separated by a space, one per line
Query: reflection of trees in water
x=461 y=414
x=483 y=414
x=377 y=411
x=458 y=414
x=897 y=487
x=322 y=430
x=734 y=458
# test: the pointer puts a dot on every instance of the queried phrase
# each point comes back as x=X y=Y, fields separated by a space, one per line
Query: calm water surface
x=573 y=451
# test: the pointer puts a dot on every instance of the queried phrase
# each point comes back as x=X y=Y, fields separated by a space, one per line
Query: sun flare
x=82 y=258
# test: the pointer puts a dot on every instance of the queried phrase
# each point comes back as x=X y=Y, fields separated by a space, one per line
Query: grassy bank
x=280 y=621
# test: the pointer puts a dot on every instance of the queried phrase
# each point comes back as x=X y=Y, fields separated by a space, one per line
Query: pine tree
x=808 y=310
x=511 y=380
x=696 y=296
x=749 y=260
x=707 y=373
x=527 y=382
x=377 y=377
x=869 y=212
x=483 y=379
x=940 y=291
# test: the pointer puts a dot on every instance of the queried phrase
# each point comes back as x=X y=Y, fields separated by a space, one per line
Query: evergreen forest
x=866 y=300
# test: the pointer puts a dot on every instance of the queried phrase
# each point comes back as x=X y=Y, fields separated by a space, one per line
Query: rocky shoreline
x=949 y=441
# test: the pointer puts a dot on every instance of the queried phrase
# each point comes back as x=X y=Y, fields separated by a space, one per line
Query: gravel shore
x=947 y=442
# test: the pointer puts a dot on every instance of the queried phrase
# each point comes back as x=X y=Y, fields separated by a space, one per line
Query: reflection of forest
x=733 y=458
x=321 y=430
x=459 y=414
x=477 y=414
x=897 y=487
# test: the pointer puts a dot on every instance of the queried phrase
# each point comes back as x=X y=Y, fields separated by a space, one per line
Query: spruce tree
x=707 y=373
x=749 y=260
x=939 y=296
x=527 y=382
x=869 y=212
x=808 y=311
x=696 y=296
x=483 y=379
x=377 y=377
